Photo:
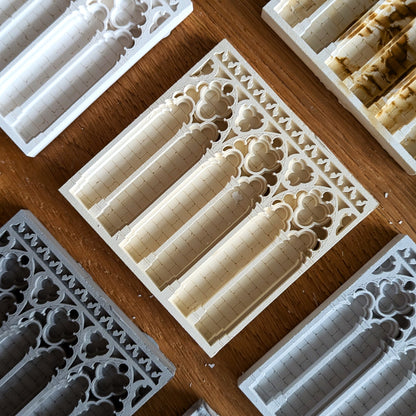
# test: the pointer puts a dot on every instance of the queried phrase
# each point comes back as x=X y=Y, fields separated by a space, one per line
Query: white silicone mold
x=364 y=52
x=218 y=197
x=58 y=56
x=355 y=355
x=200 y=408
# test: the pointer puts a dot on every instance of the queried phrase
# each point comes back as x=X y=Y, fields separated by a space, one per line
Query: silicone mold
x=59 y=56
x=364 y=52
x=65 y=348
x=218 y=197
x=200 y=408
x=355 y=355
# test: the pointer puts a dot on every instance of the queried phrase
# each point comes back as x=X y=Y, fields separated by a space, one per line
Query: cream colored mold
x=218 y=197
x=364 y=51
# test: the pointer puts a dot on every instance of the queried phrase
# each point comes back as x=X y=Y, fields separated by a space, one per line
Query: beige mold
x=364 y=51
x=218 y=197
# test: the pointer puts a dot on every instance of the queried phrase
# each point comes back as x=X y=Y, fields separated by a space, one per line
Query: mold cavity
x=28 y=79
x=250 y=287
x=158 y=176
x=96 y=346
x=109 y=382
x=294 y=11
x=8 y=8
x=239 y=250
x=353 y=360
x=410 y=145
x=47 y=291
x=30 y=380
x=61 y=327
x=206 y=229
x=8 y=306
x=15 y=346
x=100 y=57
x=13 y=272
x=62 y=401
x=310 y=349
x=369 y=35
x=138 y=147
x=30 y=19
x=386 y=68
x=320 y=29
x=183 y=203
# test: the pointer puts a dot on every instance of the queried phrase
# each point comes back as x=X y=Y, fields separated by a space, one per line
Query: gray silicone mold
x=200 y=408
x=65 y=348
x=355 y=355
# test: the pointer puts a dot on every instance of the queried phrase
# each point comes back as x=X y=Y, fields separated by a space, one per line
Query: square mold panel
x=58 y=56
x=364 y=51
x=218 y=197
x=65 y=348
x=355 y=355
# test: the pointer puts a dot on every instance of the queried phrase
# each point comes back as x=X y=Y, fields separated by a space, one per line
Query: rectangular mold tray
x=65 y=348
x=218 y=197
x=200 y=408
x=58 y=56
x=364 y=51
x=355 y=355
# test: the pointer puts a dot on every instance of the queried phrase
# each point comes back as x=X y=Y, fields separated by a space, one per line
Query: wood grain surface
x=33 y=184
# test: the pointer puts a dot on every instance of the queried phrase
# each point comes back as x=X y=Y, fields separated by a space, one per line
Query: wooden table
x=33 y=184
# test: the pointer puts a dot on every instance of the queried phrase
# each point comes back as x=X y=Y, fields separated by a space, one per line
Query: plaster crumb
x=211 y=365
x=139 y=296
x=400 y=222
x=190 y=384
x=134 y=317
x=151 y=296
x=391 y=222
x=386 y=194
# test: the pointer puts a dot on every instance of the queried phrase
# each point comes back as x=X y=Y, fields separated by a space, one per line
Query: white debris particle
x=400 y=222
x=211 y=365
x=386 y=194
x=151 y=296
x=139 y=296
x=134 y=317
